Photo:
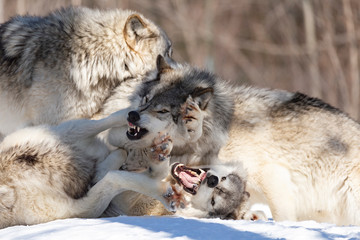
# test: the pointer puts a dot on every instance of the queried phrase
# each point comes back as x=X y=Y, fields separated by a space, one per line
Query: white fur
x=33 y=192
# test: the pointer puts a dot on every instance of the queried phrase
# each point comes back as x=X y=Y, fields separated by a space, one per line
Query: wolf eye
x=212 y=201
x=223 y=178
x=145 y=100
x=163 y=111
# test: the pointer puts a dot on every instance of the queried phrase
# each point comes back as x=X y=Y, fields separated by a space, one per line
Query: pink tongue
x=188 y=180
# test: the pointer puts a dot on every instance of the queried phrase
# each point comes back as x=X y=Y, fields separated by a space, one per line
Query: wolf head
x=191 y=105
x=218 y=191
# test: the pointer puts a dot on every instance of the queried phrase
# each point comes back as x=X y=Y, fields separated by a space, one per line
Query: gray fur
x=233 y=197
x=176 y=93
x=337 y=146
x=302 y=155
x=66 y=64
x=228 y=199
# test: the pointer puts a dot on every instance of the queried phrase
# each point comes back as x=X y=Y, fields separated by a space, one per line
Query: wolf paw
x=192 y=118
x=174 y=199
x=254 y=216
x=161 y=148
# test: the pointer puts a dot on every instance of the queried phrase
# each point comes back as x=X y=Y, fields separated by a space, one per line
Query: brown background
x=310 y=46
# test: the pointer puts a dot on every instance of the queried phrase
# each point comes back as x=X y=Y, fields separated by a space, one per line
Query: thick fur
x=48 y=173
x=228 y=199
x=65 y=65
x=302 y=155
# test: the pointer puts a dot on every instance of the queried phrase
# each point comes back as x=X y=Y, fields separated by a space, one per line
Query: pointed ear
x=136 y=29
x=202 y=96
x=162 y=65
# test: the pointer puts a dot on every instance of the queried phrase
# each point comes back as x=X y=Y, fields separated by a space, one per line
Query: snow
x=172 y=227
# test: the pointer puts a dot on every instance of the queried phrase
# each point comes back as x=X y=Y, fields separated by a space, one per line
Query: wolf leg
x=279 y=192
x=83 y=129
x=114 y=183
x=112 y=162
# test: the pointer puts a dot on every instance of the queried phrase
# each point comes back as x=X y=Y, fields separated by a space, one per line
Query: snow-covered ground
x=160 y=228
x=171 y=227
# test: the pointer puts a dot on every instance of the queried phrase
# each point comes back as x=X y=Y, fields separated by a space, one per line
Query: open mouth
x=189 y=178
x=135 y=132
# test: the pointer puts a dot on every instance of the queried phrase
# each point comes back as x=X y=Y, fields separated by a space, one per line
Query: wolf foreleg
x=114 y=183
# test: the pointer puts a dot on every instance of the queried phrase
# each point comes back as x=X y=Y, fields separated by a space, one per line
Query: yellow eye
x=163 y=111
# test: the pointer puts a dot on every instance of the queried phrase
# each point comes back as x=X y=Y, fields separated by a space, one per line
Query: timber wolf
x=215 y=192
x=65 y=65
x=302 y=156
x=57 y=172
x=218 y=191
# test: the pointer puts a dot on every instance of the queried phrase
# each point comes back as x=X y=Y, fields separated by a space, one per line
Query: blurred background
x=311 y=46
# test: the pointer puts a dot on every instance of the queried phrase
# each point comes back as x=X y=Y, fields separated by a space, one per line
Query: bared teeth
x=133 y=129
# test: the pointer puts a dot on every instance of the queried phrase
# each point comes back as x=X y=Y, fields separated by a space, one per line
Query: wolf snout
x=133 y=116
x=212 y=181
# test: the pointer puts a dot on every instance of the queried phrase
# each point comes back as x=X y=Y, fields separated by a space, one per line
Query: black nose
x=133 y=116
x=212 y=181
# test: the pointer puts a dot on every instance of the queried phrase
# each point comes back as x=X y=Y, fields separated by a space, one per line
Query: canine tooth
x=138 y=129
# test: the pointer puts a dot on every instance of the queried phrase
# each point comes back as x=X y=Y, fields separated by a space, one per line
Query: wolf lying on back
x=221 y=193
x=47 y=173
x=65 y=65
x=218 y=191
x=302 y=155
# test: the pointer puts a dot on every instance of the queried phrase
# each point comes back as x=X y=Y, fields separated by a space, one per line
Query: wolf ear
x=136 y=29
x=162 y=65
x=202 y=96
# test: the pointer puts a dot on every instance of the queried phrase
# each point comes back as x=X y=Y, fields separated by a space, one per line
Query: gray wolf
x=58 y=172
x=302 y=156
x=232 y=199
x=215 y=192
x=65 y=65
